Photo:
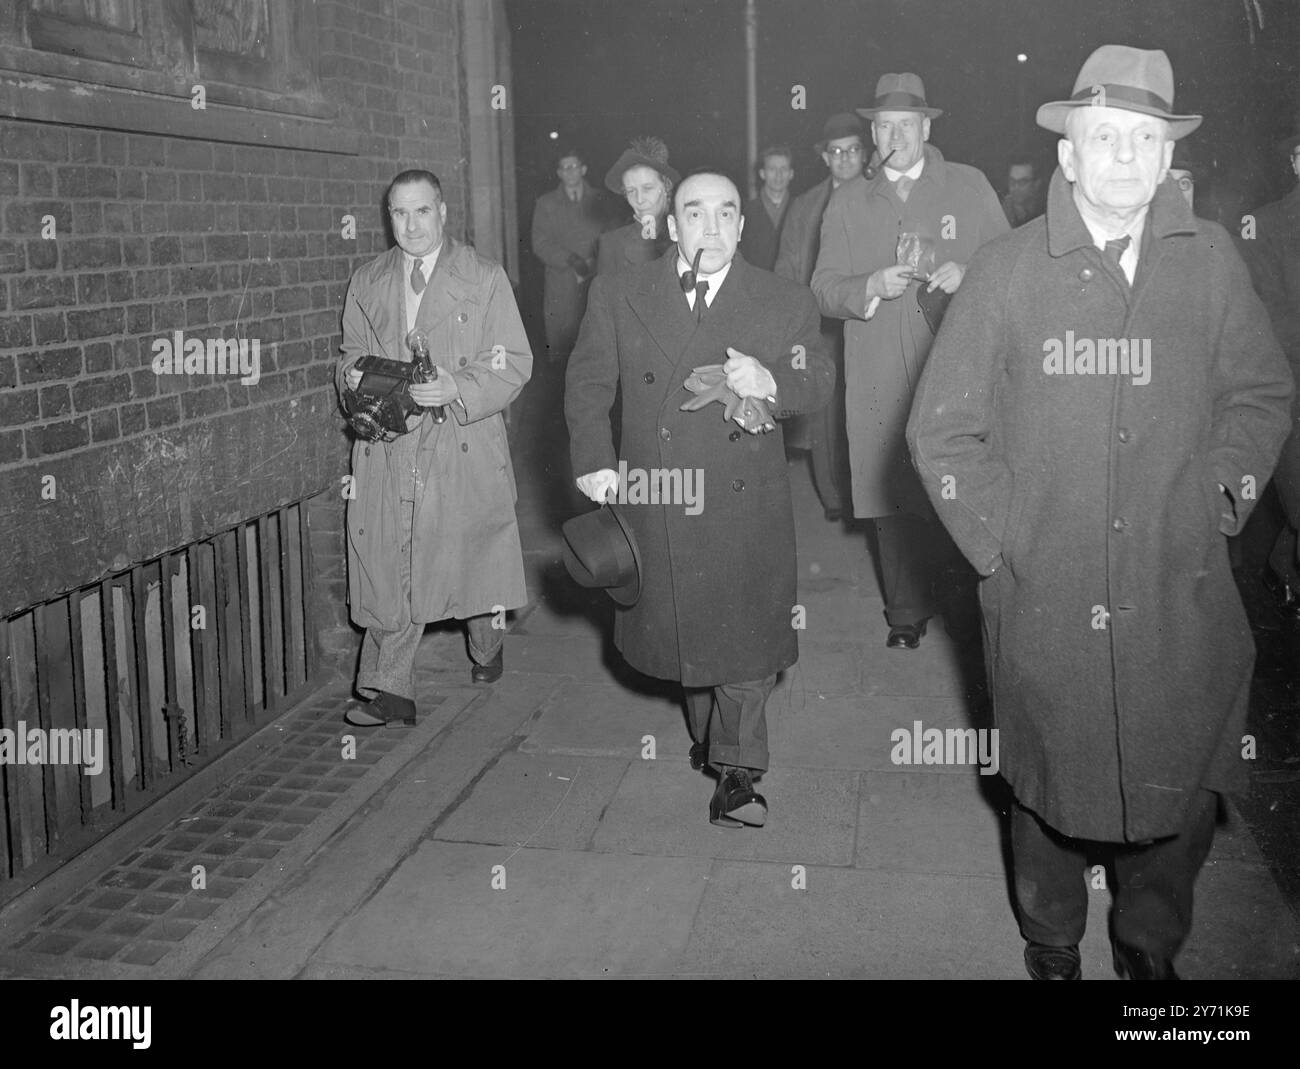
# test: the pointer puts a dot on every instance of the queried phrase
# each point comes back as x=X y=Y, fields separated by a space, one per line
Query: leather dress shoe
x=699 y=755
x=1134 y=964
x=735 y=802
x=385 y=708
x=1052 y=963
x=490 y=672
x=905 y=636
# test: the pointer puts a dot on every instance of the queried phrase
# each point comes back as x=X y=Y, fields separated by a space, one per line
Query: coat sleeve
x=1253 y=391
x=591 y=383
x=804 y=373
x=356 y=334
x=839 y=292
x=952 y=417
x=547 y=247
x=497 y=372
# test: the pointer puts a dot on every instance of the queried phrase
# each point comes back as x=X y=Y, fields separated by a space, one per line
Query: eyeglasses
x=838 y=152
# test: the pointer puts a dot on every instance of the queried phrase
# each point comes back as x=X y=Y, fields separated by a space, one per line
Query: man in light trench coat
x=1102 y=406
x=431 y=527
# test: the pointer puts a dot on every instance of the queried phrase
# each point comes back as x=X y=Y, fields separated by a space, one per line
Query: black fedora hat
x=600 y=551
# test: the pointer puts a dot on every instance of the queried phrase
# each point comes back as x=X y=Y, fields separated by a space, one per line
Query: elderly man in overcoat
x=1102 y=406
x=950 y=210
x=431 y=529
x=567 y=224
x=718 y=579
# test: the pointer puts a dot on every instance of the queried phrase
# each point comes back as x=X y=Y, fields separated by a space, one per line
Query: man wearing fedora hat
x=643 y=176
x=842 y=149
x=1101 y=407
x=948 y=210
x=717 y=582
x=1273 y=253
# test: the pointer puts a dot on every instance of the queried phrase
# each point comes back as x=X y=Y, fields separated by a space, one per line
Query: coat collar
x=660 y=305
x=931 y=173
x=1066 y=232
x=383 y=299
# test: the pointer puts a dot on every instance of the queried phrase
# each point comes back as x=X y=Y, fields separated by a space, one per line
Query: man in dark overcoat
x=717 y=606
x=766 y=213
x=842 y=150
x=567 y=223
x=431 y=528
x=1103 y=404
x=950 y=210
x=1272 y=251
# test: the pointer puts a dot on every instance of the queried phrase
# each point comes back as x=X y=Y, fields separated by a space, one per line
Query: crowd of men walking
x=1049 y=409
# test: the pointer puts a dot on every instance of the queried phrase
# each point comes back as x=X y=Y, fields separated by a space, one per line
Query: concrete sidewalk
x=551 y=826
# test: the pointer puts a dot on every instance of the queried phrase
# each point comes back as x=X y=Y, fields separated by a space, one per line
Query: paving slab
x=606 y=720
x=561 y=914
x=550 y=801
x=662 y=808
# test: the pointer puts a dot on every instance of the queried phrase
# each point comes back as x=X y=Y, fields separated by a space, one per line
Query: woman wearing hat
x=643 y=176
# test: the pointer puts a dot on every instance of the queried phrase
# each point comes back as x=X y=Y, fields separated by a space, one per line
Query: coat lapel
x=381 y=303
x=661 y=307
x=449 y=285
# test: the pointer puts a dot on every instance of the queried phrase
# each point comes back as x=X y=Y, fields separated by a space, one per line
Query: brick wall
x=222 y=240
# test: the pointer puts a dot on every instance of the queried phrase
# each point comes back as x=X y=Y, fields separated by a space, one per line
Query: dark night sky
x=603 y=71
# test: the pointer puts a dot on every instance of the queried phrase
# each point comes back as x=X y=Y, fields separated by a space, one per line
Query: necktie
x=417 y=277
x=701 y=288
x=903 y=187
x=1115 y=249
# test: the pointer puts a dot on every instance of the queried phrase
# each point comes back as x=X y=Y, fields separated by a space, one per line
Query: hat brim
x=1052 y=116
x=625 y=594
x=871 y=113
x=630 y=159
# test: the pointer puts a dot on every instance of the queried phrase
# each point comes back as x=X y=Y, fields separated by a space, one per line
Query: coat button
x=1124 y=434
x=738 y=485
x=463 y=360
x=464 y=447
x=1085 y=275
x=649 y=376
x=733 y=436
x=1119 y=523
x=665 y=433
x=462 y=317
x=367 y=450
x=361 y=530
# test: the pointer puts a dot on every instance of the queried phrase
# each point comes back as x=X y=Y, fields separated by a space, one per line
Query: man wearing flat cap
x=1102 y=407
x=842 y=149
x=643 y=176
x=718 y=576
x=913 y=227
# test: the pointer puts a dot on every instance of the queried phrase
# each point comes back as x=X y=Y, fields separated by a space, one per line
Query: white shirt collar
x=714 y=280
x=1129 y=257
x=913 y=172
x=426 y=261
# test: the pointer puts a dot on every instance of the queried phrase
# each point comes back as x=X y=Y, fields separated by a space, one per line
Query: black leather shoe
x=735 y=802
x=1134 y=964
x=490 y=672
x=385 y=708
x=905 y=636
x=699 y=755
x=1052 y=963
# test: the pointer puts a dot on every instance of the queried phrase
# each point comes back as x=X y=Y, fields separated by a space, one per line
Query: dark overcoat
x=625 y=247
x=466 y=557
x=761 y=240
x=1119 y=653
x=1272 y=253
x=564 y=228
x=718 y=588
x=955 y=206
x=801 y=237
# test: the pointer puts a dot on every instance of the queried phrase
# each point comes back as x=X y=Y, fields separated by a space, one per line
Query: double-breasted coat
x=718 y=587
x=563 y=228
x=1119 y=654
x=466 y=557
x=954 y=206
